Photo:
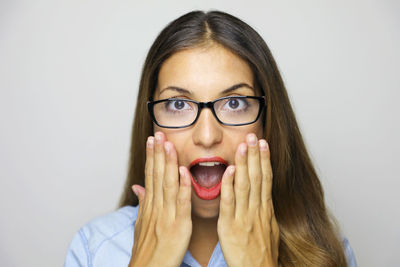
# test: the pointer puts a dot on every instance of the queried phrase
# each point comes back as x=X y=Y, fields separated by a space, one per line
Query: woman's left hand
x=247 y=228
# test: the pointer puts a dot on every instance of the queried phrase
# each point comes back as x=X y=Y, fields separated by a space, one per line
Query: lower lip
x=206 y=193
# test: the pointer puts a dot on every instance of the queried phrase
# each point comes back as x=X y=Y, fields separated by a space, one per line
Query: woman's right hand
x=164 y=226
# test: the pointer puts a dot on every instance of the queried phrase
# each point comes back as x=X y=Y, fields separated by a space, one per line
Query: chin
x=205 y=209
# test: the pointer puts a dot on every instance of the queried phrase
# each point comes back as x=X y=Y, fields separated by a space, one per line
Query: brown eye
x=179 y=104
x=233 y=103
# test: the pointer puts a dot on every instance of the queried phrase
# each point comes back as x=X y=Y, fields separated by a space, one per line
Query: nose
x=207 y=131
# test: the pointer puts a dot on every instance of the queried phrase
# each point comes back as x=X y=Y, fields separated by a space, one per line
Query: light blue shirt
x=107 y=241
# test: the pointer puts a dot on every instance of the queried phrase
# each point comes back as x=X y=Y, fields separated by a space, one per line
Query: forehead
x=205 y=72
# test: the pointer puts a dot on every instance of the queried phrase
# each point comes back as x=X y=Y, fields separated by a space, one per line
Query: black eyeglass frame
x=201 y=105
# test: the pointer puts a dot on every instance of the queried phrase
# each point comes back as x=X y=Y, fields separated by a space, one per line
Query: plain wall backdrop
x=69 y=73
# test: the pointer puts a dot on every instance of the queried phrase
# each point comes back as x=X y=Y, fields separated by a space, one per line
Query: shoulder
x=110 y=234
x=351 y=259
x=109 y=226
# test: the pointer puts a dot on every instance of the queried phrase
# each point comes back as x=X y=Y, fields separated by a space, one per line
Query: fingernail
x=243 y=149
x=181 y=172
x=231 y=170
x=135 y=190
x=251 y=139
x=263 y=144
x=150 y=141
x=158 y=137
x=167 y=147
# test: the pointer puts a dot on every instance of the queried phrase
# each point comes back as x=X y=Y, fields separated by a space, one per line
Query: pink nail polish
x=158 y=137
x=252 y=139
x=263 y=144
x=135 y=190
x=243 y=149
x=231 y=170
x=150 y=141
x=167 y=147
x=181 y=172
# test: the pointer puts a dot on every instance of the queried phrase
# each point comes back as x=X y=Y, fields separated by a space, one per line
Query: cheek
x=179 y=138
x=238 y=135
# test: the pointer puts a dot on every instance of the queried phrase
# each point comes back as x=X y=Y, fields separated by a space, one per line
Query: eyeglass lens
x=180 y=112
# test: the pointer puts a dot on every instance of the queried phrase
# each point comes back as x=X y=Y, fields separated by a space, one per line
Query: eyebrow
x=226 y=91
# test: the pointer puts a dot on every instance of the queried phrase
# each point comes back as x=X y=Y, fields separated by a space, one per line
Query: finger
x=266 y=186
x=140 y=192
x=170 y=183
x=158 y=170
x=242 y=184
x=227 y=203
x=148 y=200
x=183 y=201
x=255 y=173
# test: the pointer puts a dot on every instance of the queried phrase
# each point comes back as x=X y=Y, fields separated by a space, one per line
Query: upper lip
x=208 y=159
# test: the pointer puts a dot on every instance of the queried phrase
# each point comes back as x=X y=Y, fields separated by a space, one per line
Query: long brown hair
x=307 y=234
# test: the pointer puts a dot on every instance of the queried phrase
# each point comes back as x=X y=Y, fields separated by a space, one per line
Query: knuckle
x=158 y=173
x=256 y=177
x=158 y=230
x=182 y=201
x=253 y=151
x=228 y=199
x=243 y=186
x=241 y=162
x=169 y=183
x=248 y=227
x=148 y=173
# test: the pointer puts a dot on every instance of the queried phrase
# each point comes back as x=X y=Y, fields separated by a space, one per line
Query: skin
x=172 y=218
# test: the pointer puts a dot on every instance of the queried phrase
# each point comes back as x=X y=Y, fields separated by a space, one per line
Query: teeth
x=209 y=164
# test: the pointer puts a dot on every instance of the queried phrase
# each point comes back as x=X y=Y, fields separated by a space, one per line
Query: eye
x=177 y=105
x=235 y=104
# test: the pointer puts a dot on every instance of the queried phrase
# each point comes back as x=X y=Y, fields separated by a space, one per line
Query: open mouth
x=206 y=177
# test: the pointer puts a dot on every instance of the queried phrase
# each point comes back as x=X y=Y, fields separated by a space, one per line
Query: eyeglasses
x=230 y=110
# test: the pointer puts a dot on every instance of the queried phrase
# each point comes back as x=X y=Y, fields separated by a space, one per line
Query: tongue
x=208 y=176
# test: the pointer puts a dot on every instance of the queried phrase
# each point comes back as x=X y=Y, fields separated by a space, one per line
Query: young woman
x=219 y=174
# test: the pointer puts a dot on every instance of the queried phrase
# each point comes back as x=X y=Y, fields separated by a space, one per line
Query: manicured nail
x=135 y=190
x=158 y=137
x=150 y=141
x=251 y=139
x=181 y=172
x=263 y=144
x=243 y=149
x=231 y=170
x=167 y=147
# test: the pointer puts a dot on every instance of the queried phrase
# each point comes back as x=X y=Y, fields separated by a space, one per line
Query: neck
x=204 y=239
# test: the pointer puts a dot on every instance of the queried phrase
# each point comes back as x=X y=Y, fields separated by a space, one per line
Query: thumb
x=139 y=191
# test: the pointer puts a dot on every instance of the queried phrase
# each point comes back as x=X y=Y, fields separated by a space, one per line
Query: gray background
x=69 y=74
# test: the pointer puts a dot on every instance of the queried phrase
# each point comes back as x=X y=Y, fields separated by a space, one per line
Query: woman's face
x=205 y=73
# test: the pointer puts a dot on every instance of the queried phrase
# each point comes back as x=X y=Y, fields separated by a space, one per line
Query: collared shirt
x=107 y=241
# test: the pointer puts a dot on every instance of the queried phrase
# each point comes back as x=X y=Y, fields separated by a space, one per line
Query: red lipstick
x=208 y=159
x=202 y=192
